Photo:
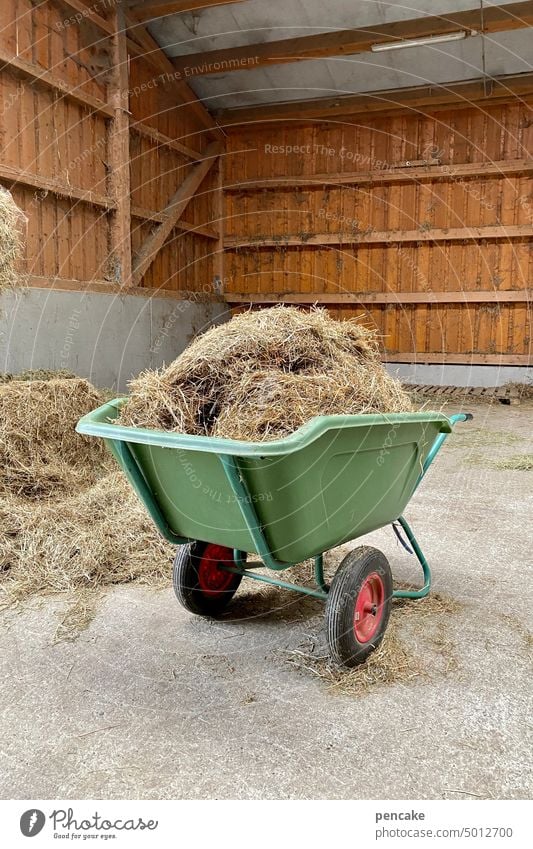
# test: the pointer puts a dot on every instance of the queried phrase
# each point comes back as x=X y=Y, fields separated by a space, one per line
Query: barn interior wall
x=56 y=135
x=346 y=212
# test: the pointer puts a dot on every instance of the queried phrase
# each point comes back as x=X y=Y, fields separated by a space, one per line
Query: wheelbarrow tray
x=333 y=480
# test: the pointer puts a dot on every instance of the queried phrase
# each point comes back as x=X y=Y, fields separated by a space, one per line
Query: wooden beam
x=88 y=13
x=398 y=299
x=419 y=98
x=156 y=9
x=186 y=226
x=84 y=12
x=42 y=77
x=147 y=48
x=218 y=259
x=165 y=141
x=173 y=213
x=63 y=284
x=50 y=184
x=119 y=152
x=423 y=174
x=141 y=44
x=459 y=359
x=441 y=234
x=352 y=41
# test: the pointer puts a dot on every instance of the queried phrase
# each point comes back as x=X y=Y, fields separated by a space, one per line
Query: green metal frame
x=238 y=485
x=239 y=488
x=131 y=466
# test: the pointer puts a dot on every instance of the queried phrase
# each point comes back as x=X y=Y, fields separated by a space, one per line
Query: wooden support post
x=218 y=264
x=173 y=212
x=119 y=154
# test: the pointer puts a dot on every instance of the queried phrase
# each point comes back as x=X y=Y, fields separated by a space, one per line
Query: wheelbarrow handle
x=457 y=417
x=461 y=417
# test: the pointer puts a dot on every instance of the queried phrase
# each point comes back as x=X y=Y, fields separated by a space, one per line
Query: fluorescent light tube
x=418 y=42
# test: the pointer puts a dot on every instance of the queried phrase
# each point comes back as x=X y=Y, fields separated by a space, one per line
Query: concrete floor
x=150 y=702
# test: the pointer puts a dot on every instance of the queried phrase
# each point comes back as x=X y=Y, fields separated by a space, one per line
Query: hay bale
x=40 y=453
x=12 y=229
x=264 y=374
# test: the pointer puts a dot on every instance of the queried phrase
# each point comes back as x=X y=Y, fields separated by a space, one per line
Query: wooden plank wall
x=186 y=262
x=358 y=177
x=60 y=145
x=55 y=139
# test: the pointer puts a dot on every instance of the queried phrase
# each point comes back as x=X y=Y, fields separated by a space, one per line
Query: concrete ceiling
x=257 y=21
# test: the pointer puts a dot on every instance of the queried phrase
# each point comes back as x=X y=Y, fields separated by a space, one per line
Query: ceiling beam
x=88 y=12
x=349 y=42
x=156 y=9
x=488 y=90
x=140 y=43
x=466 y=358
x=17 y=176
x=147 y=48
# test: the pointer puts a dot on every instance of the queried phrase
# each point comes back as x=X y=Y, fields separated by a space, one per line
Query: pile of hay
x=69 y=521
x=264 y=374
x=40 y=454
x=85 y=542
x=12 y=223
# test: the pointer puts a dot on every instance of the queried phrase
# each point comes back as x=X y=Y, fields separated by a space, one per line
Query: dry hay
x=417 y=645
x=68 y=524
x=78 y=545
x=41 y=456
x=516 y=463
x=38 y=374
x=12 y=222
x=265 y=373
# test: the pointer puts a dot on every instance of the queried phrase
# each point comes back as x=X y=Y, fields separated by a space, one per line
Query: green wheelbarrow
x=335 y=479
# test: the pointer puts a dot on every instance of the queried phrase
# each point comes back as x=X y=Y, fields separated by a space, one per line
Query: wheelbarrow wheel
x=358 y=605
x=200 y=585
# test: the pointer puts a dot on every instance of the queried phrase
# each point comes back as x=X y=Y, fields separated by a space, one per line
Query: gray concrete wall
x=107 y=338
x=460 y=375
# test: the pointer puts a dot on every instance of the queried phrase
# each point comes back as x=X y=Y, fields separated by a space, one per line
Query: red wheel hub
x=368 y=611
x=213 y=580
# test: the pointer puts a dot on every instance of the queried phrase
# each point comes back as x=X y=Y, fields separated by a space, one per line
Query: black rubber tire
x=186 y=583
x=345 y=649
